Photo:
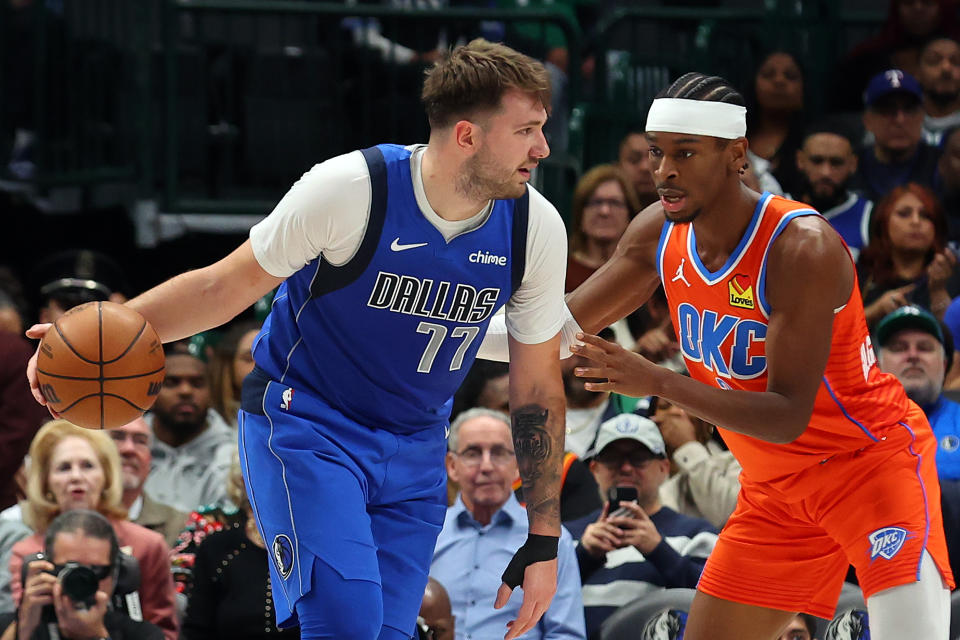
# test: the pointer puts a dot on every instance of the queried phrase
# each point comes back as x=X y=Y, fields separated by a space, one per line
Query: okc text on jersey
x=731 y=346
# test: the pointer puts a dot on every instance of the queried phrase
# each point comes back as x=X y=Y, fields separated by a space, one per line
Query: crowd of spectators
x=883 y=167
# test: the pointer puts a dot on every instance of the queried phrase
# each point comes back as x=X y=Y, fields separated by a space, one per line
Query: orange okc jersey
x=721 y=324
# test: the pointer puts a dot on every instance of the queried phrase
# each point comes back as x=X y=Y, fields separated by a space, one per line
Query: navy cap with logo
x=908 y=317
x=889 y=82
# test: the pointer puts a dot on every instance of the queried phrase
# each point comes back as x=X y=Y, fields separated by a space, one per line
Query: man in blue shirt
x=481 y=531
x=651 y=547
x=912 y=347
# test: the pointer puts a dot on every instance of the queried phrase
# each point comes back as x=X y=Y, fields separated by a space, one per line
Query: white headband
x=698 y=117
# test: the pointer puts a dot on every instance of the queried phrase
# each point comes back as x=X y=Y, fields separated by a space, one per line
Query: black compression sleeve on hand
x=535 y=549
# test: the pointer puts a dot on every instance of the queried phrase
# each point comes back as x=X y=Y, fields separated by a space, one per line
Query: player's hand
x=601 y=537
x=79 y=623
x=539 y=585
x=622 y=371
x=638 y=529
x=37 y=332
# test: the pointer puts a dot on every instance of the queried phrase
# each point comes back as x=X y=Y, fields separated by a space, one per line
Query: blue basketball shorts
x=367 y=502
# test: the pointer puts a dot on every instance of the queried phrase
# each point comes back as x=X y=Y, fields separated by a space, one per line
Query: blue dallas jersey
x=387 y=338
x=851 y=219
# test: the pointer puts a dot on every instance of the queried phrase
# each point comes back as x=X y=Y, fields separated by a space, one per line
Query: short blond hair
x=40 y=508
x=471 y=80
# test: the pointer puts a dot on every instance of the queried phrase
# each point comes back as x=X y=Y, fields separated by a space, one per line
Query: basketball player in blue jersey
x=390 y=262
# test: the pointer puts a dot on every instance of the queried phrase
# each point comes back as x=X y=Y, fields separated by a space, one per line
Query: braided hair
x=699 y=86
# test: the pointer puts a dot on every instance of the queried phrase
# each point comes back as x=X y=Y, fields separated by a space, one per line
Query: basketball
x=100 y=365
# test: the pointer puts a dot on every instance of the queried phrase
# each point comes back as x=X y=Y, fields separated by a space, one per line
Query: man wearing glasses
x=483 y=529
x=641 y=546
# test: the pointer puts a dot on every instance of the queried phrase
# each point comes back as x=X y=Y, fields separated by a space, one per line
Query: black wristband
x=535 y=549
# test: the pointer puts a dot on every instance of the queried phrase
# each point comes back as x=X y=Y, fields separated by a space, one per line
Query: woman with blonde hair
x=73 y=468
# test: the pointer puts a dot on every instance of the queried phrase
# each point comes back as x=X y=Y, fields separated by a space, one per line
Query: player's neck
x=722 y=223
x=439 y=177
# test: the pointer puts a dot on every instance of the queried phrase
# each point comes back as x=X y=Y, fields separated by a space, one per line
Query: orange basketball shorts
x=788 y=545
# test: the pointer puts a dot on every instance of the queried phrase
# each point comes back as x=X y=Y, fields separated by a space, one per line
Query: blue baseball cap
x=889 y=82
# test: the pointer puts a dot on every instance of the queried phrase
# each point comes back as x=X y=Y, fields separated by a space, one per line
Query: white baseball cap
x=629 y=426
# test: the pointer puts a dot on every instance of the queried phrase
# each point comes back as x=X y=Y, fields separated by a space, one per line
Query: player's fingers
x=503 y=595
x=596 y=341
x=600 y=386
x=590 y=372
x=521 y=624
x=37 y=331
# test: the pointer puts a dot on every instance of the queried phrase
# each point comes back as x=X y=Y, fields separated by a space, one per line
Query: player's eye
x=655 y=152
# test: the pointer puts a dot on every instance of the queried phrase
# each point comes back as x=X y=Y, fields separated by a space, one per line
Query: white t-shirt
x=326 y=211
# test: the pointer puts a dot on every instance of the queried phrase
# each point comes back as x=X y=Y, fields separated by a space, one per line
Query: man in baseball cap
x=893 y=113
x=914 y=348
x=653 y=547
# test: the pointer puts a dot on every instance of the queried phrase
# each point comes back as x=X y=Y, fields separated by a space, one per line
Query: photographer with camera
x=634 y=540
x=67 y=588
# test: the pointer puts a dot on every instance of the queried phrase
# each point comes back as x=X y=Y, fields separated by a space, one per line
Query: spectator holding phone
x=907 y=261
x=637 y=543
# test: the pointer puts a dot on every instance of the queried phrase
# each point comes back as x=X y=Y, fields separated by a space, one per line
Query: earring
x=742 y=170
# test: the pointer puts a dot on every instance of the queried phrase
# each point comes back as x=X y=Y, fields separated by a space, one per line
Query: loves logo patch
x=741 y=291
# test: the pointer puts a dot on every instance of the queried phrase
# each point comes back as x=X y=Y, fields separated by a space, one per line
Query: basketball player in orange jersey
x=838 y=465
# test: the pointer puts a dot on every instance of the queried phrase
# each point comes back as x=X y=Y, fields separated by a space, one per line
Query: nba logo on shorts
x=287 y=398
x=887 y=542
x=283 y=555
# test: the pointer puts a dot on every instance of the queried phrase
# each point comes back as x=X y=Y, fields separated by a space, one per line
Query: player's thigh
x=713 y=618
x=770 y=556
x=405 y=534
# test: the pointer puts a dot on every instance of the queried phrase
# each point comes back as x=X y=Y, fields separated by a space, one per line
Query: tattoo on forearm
x=531 y=440
x=537 y=459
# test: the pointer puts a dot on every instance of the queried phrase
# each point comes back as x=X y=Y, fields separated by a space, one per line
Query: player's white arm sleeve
x=324 y=212
x=495 y=343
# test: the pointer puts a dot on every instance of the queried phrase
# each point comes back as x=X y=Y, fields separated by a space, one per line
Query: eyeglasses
x=614 y=460
x=610 y=202
x=473 y=456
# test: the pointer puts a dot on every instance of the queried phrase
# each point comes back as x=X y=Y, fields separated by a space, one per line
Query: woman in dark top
x=907 y=261
x=230 y=595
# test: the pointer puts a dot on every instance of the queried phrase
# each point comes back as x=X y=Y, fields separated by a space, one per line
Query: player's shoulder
x=347 y=166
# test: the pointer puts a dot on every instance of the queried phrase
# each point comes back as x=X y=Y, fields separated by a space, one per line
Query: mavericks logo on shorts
x=887 y=542
x=283 y=555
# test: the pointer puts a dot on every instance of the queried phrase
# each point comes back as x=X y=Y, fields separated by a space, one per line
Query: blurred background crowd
x=140 y=139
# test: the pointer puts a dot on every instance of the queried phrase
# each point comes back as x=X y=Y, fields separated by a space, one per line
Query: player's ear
x=467 y=136
x=737 y=154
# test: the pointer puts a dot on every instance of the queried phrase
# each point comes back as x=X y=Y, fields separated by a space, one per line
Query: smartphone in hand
x=616 y=495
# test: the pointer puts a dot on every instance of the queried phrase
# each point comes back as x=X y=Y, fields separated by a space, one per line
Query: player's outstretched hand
x=539 y=585
x=37 y=332
x=614 y=368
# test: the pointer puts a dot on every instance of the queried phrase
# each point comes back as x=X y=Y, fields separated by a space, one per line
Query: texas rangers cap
x=891 y=81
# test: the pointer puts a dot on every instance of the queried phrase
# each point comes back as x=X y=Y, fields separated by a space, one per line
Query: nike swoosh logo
x=396 y=246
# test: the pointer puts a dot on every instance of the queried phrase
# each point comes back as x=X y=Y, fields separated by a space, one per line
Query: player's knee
x=337 y=608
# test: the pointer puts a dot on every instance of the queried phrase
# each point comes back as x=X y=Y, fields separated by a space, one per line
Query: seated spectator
x=909 y=24
x=86 y=538
x=230 y=596
x=192 y=444
x=67 y=279
x=947 y=181
x=11 y=532
x=802 y=627
x=912 y=348
x=633 y=159
x=898 y=155
x=133 y=445
x=775 y=120
x=604 y=203
x=232 y=361
x=651 y=547
x=705 y=481
x=73 y=468
x=826 y=162
x=436 y=621
x=939 y=76
x=484 y=528
x=906 y=261
x=486 y=385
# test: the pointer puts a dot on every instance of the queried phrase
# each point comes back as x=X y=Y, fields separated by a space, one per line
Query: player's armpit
x=537 y=409
x=626 y=280
x=809 y=276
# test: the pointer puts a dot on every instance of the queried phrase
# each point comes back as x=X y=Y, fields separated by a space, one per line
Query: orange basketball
x=101 y=365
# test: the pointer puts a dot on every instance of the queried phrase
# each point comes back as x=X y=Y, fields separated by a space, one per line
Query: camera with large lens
x=79 y=583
